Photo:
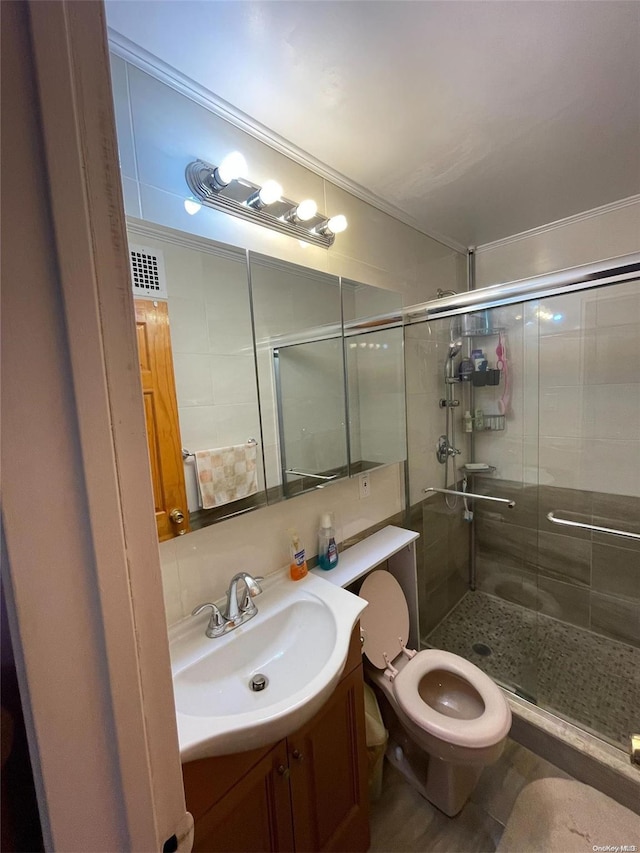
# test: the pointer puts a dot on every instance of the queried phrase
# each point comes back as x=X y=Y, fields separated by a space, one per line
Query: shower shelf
x=489 y=469
x=483 y=333
x=492 y=423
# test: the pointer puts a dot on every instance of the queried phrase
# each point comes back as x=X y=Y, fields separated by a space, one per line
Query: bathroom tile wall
x=160 y=131
x=585 y=578
x=443 y=547
x=571 y=441
x=606 y=232
x=198 y=567
x=443 y=558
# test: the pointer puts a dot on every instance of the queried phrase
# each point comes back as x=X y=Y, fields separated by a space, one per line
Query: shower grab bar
x=626 y=533
x=307 y=474
x=509 y=503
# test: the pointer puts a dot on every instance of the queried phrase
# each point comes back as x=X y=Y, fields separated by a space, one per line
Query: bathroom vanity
x=302 y=786
x=306 y=792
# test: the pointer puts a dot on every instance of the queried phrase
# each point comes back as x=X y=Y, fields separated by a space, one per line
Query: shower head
x=454 y=348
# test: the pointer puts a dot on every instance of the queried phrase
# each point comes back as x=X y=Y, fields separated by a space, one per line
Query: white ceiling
x=477 y=119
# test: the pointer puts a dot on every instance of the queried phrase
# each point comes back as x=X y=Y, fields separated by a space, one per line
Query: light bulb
x=337 y=223
x=307 y=209
x=270 y=192
x=192 y=206
x=233 y=166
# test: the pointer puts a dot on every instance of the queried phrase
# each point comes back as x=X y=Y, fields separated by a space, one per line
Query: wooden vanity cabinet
x=307 y=792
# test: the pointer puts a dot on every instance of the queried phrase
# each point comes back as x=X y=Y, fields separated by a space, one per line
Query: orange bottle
x=298 y=568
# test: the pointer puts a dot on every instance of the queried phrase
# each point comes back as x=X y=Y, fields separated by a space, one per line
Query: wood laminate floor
x=403 y=822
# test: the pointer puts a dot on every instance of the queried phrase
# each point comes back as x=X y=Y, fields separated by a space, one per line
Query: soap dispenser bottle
x=298 y=566
x=327 y=548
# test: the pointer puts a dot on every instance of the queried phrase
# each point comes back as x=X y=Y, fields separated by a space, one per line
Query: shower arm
x=509 y=503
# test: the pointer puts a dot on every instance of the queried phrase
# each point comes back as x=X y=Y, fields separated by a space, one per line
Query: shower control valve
x=448 y=404
x=445 y=449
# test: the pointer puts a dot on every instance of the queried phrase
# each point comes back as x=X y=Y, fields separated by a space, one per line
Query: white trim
x=560 y=223
x=112 y=780
x=142 y=228
x=160 y=70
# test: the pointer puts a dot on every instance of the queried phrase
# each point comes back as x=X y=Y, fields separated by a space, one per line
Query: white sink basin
x=299 y=640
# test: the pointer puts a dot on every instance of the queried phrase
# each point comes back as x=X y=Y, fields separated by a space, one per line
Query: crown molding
x=160 y=70
x=560 y=223
x=142 y=228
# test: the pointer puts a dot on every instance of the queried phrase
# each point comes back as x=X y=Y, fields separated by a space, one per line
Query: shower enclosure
x=541 y=590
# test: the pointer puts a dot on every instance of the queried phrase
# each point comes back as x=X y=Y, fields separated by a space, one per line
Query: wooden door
x=161 y=414
x=255 y=815
x=328 y=761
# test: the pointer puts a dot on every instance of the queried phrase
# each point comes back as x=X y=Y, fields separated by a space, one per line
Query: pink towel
x=226 y=474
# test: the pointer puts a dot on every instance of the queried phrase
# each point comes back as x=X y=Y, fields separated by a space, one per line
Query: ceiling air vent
x=147 y=273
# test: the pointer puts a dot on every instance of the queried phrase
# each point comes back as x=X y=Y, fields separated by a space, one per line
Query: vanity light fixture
x=226 y=188
x=302 y=212
x=269 y=193
x=233 y=166
x=335 y=225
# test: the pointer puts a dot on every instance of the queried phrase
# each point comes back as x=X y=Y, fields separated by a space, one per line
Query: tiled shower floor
x=581 y=676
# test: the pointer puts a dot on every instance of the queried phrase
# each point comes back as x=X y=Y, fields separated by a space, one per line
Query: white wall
x=594 y=235
x=160 y=131
x=575 y=406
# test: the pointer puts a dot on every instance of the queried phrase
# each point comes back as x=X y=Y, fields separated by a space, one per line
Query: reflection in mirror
x=214 y=364
x=374 y=358
x=298 y=330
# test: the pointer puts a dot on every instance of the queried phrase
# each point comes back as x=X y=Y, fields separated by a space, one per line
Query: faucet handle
x=216 y=621
x=253 y=588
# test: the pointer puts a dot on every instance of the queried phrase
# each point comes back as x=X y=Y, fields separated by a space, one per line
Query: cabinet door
x=255 y=815
x=328 y=762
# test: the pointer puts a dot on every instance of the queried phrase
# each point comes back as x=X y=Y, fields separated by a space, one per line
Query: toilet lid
x=385 y=622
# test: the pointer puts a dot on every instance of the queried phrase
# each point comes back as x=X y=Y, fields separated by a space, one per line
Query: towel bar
x=611 y=530
x=187 y=453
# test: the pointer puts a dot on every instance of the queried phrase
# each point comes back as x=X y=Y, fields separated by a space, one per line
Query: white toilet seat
x=491 y=726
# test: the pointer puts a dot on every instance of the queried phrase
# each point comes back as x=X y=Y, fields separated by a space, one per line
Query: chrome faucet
x=237 y=614
x=234 y=614
x=216 y=626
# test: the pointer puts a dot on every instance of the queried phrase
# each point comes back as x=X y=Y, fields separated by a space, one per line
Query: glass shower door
x=589 y=458
x=550 y=603
x=492 y=622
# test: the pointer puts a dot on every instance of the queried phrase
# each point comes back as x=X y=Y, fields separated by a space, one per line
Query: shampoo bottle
x=467 y=422
x=298 y=566
x=327 y=548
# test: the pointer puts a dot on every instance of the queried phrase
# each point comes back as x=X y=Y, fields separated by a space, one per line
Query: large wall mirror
x=283 y=378
x=209 y=312
x=298 y=331
x=374 y=358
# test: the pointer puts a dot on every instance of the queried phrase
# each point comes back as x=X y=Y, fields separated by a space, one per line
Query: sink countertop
x=299 y=639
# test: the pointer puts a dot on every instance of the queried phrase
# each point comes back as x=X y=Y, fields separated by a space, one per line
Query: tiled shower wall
x=587 y=579
x=443 y=558
x=571 y=444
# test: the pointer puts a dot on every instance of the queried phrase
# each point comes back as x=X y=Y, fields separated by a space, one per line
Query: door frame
x=81 y=570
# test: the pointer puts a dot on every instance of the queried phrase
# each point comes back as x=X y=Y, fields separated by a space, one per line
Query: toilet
x=447 y=720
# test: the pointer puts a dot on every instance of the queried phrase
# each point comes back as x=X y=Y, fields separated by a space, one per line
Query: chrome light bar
x=233 y=198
